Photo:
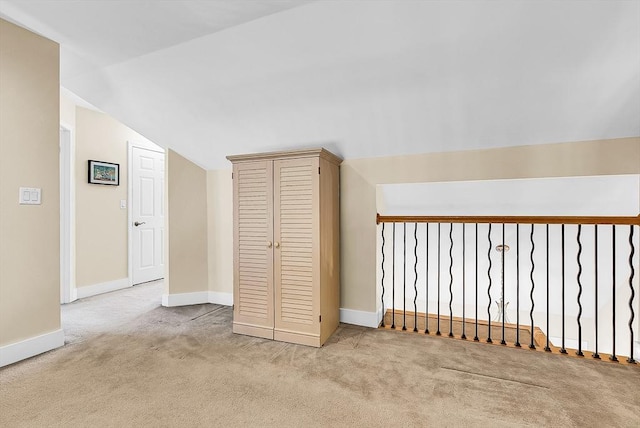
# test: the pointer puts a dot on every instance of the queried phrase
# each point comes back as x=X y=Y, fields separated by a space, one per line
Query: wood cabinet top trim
x=287 y=154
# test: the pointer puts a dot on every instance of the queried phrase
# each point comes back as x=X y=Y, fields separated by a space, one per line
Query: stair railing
x=579 y=293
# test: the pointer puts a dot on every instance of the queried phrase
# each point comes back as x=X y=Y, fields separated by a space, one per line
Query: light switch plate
x=30 y=196
x=123 y=203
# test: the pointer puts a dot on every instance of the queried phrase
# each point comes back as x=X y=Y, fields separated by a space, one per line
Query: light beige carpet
x=183 y=367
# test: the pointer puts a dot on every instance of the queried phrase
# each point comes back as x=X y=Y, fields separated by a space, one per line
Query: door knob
x=277 y=245
x=137 y=223
x=269 y=244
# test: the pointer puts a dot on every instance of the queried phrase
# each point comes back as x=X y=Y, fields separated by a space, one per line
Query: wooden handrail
x=617 y=220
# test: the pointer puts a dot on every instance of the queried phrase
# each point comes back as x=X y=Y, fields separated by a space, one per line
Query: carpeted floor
x=131 y=362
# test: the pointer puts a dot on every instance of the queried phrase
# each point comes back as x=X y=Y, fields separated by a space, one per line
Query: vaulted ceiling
x=363 y=78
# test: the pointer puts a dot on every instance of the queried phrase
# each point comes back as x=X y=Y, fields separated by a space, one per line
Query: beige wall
x=29 y=139
x=101 y=225
x=359 y=178
x=187 y=224
x=220 y=230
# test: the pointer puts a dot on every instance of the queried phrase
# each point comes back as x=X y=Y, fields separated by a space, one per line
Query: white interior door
x=147 y=214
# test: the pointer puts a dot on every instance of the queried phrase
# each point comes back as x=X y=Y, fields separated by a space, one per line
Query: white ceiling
x=364 y=78
x=99 y=33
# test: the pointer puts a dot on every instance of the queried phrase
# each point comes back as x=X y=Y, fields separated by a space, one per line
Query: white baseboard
x=363 y=318
x=348 y=316
x=220 y=298
x=103 y=287
x=197 y=298
x=185 y=299
x=31 y=347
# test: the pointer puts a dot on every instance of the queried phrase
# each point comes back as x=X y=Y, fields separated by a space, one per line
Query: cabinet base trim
x=253 y=330
x=363 y=318
x=299 y=338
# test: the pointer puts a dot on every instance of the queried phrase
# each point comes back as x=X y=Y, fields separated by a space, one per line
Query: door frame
x=68 y=290
x=145 y=146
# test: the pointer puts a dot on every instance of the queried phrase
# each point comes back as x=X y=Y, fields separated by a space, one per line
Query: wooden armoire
x=286 y=244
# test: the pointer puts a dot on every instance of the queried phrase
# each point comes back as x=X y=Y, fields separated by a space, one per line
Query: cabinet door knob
x=277 y=245
x=269 y=244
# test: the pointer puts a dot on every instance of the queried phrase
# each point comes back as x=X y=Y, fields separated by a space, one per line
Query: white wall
x=612 y=195
x=384 y=78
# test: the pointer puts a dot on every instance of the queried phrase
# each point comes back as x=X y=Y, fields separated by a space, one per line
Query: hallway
x=108 y=312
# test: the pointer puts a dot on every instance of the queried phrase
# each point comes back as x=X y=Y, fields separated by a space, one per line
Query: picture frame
x=105 y=173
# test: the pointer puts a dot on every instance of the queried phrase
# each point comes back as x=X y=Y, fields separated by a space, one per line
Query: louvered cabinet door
x=253 y=249
x=296 y=264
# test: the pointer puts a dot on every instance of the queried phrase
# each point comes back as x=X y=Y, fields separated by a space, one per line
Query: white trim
x=185 y=299
x=129 y=214
x=147 y=145
x=67 y=215
x=31 y=347
x=220 y=298
x=130 y=145
x=197 y=298
x=365 y=319
x=103 y=287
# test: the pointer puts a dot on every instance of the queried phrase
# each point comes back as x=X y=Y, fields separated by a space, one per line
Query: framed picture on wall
x=104 y=173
